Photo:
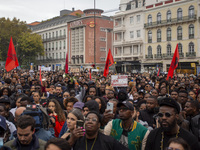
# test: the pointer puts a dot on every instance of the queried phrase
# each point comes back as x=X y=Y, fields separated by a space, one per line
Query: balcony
x=158 y=56
x=119 y=28
x=168 y=56
x=168 y=22
x=149 y=56
x=181 y=55
x=54 y=38
x=191 y=54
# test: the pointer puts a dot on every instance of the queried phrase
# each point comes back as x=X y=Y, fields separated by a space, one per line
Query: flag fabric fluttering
x=158 y=72
x=109 y=62
x=90 y=74
x=11 y=61
x=174 y=63
x=40 y=76
x=66 y=64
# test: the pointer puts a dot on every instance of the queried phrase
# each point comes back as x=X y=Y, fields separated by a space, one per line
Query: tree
x=27 y=45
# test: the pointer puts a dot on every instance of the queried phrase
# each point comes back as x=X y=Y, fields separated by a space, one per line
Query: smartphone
x=110 y=107
x=79 y=123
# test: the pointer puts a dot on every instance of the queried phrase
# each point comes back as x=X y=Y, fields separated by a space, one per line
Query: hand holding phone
x=79 y=123
x=110 y=107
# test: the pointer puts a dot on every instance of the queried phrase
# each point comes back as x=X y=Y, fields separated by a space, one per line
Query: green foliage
x=27 y=45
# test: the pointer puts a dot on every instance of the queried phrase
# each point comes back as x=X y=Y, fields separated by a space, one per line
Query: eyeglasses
x=123 y=109
x=171 y=148
x=91 y=119
x=166 y=115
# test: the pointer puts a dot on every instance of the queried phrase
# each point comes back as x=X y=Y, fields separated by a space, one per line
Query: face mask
x=1 y=142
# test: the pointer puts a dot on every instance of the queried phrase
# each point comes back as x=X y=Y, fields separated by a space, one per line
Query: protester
x=168 y=115
x=57 y=144
x=93 y=139
x=26 y=138
x=58 y=116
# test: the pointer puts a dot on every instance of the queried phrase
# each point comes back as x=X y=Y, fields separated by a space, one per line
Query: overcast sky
x=38 y=10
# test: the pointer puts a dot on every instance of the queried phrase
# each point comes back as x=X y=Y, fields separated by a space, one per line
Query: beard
x=169 y=127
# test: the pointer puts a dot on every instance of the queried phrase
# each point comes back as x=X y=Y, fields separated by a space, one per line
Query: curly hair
x=58 y=110
x=70 y=99
x=61 y=143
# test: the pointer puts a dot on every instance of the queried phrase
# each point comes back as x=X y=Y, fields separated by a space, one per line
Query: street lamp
x=94 y=34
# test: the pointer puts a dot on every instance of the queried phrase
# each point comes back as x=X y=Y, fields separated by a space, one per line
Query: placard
x=74 y=70
x=119 y=80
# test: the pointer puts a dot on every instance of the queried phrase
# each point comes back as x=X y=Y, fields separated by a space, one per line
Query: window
x=56 y=45
x=49 y=55
x=159 y=51
x=53 y=46
x=191 y=47
x=56 y=55
x=53 y=35
x=179 y=14
x=132 y=6
x=103 y=29
x=60 y=32
x=64 y=32
x=56 y=33
x=158 y=18
x=191 y=31
x=169 y=16
x=64 y=55
x=149 y=37
x=169 y=50
x=60 y=44
x=179 y=33
x=158 y=35
x=49 y=35
x=102 y=49
x=64 y=44
x=53 y=55
x=131 y=34
x=191 y=12
x=43 y=36
x=49 y=46
x=138 y=33
x=169 y=34
x=138 y=18
x=46 y=35
x=149 y=51
x=60 y=55
x=180 y=48
x=149 y=19
x=103 y=59
x=131 y=20
x=102 y=39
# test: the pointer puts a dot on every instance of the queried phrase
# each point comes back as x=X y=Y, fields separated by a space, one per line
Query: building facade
x=168 y=23
x=128 y=46
x=81 y=44
x=54 y=35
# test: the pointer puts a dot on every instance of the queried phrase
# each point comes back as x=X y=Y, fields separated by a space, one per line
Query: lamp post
x=94 y=34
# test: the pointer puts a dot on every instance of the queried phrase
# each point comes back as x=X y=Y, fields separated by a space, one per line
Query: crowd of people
x=58 y=111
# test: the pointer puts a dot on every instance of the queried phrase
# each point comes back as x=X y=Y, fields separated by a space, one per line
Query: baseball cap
x=4 y=99
x=3 y=122
x=168 y=101
x=127 y=104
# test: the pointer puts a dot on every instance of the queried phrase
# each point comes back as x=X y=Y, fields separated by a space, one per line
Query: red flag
x=66 y=64
x=11 y=61
x=109 y=62
x=40 y=76
x=174 y=63
x=90 y=75
x=158 y=72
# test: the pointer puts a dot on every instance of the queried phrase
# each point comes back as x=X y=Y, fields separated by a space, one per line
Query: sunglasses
x=171 y=148
x=166 y=115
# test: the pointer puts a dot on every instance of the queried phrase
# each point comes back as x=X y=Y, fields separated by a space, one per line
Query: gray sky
x=38 y=10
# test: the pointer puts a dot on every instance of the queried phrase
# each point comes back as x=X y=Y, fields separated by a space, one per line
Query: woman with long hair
x=102 y=104
x=58 y=116
x=72 y=117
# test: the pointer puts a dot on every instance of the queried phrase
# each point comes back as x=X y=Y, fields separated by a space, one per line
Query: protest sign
x=119 y=80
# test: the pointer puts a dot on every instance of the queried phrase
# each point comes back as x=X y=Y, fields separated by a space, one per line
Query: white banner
x=119 y=80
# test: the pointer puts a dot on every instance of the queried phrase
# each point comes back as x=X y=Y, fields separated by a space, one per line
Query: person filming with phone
x=74 y=119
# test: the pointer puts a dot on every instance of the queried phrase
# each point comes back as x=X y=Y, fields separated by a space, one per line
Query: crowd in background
x=151 y=113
